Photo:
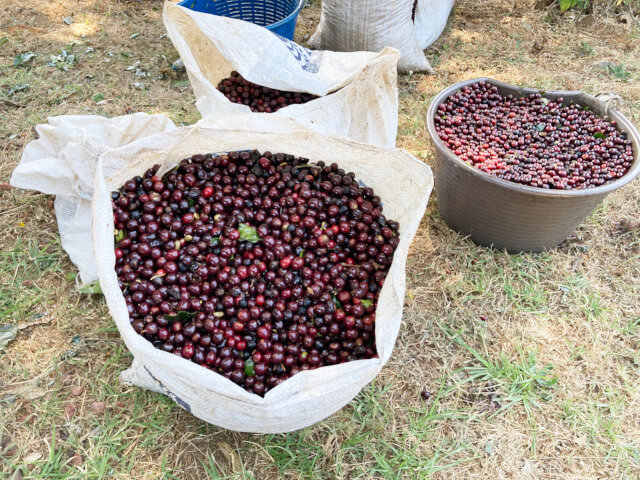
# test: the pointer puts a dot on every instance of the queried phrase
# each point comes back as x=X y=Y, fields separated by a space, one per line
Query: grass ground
x=507 y=366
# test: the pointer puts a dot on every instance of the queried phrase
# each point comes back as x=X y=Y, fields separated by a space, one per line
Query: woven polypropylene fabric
x=351 y=25
x=402 y=182
x=358 y=90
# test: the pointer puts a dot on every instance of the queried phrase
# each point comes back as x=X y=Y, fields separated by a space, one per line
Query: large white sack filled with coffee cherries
x=354 y=94
x=260 y=287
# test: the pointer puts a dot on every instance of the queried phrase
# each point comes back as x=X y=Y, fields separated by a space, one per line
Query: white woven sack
x=402 y=182
x=350 y=25
x=430 y=20
x=62 y=162
x=358 y=90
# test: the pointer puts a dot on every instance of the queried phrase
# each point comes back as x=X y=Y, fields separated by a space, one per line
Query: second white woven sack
x=351 y=25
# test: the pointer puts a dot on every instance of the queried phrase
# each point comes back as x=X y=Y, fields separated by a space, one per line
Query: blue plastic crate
x=279 y=16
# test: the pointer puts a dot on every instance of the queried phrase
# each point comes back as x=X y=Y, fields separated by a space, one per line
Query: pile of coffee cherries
x=258 y=98
x=532 y=140
x=254 y=265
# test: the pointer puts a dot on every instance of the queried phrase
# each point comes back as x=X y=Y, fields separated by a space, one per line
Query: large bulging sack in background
x=350 y=25
x=62 y=162
x=358 y=90
x=402 y=182
x=430 y=19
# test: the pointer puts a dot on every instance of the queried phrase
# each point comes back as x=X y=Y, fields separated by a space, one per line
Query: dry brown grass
x=575 y=308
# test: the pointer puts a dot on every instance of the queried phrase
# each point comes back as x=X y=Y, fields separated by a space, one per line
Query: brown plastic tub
x=508 y=215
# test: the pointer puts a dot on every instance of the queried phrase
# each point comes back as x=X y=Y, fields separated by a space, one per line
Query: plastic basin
x=508 y=215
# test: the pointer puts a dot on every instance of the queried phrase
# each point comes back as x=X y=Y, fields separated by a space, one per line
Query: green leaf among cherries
x=249 y=367
x=181 y=317
x=336 y=302
x=248 y=233
x=366 y=303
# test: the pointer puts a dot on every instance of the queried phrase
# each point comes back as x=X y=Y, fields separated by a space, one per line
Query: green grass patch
x=520 y=382
x=584 y=296
x=517 y=280
x=600 y=417
x=20 y=270
x=364 y=441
